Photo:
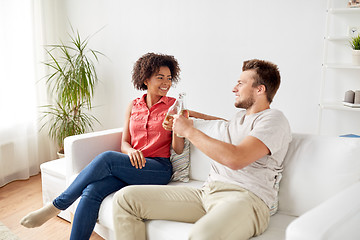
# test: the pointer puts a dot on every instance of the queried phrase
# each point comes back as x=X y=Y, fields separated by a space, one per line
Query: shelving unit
x=338 y=72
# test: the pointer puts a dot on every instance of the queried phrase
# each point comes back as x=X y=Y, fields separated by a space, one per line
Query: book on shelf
x=350 y=135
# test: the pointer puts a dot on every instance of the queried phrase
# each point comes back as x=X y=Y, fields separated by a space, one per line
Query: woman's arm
x=203 y=116
x=126 y=139
x=177 y=143
x=137 y=159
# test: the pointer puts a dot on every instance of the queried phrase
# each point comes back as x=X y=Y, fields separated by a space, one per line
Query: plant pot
x=356 y=57
x=60 y=154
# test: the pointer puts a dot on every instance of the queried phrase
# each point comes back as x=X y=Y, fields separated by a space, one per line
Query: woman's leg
x=40 y=216
x=87 y=211
x=110 y=163
x=97 y=169
x=156 y=171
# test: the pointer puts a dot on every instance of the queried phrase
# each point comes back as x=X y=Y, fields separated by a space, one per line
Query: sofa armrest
x=336 y=218
x=81 y=149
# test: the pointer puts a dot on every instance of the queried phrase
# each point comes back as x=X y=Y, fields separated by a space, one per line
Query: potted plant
x=71 y=84
x=355 y=45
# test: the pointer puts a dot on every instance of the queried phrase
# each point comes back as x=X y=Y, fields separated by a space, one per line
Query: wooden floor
x=20 y=197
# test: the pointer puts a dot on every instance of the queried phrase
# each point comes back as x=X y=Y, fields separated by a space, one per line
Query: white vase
x=356 y=57
x=60 y=155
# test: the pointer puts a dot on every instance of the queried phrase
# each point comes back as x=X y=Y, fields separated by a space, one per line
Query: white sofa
x=319 y=192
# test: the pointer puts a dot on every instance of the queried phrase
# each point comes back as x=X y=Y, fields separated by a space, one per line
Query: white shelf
x=341 y=66
x=337 y=39
x=338 y=106
x=344 y=10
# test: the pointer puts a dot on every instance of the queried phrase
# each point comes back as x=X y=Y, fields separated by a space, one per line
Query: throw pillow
x=181 y=163
x=275 y=205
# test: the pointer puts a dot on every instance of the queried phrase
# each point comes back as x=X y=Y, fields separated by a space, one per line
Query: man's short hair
x=267 y=74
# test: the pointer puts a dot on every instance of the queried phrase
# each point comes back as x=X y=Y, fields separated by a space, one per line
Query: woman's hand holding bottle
x=178 y=108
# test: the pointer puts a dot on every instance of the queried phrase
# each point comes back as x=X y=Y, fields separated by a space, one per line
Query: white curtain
x=22 y=147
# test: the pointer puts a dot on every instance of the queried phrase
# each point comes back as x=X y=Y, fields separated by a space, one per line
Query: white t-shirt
x=262 y=176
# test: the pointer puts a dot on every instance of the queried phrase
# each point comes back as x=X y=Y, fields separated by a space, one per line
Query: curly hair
x=149 y=64
x=267 y=74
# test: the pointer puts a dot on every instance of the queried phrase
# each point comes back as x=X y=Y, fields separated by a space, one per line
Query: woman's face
x=159 y=83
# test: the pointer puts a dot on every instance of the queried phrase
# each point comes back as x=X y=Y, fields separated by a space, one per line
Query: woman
x=145 y=150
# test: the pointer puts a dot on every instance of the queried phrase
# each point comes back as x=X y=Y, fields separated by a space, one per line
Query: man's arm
x=233 y=156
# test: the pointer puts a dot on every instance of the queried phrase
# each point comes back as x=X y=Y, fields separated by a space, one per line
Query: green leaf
x=355 y=42
x=72 y=80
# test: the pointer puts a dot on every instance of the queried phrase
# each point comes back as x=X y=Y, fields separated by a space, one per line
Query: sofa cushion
x=199 y=162
x=170 y=230
x=316 y=168
x=106 y=213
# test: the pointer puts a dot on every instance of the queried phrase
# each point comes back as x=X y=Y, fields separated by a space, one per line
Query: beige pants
x=219 y=210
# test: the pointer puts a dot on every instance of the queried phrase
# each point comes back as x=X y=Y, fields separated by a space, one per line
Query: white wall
x=210 y=39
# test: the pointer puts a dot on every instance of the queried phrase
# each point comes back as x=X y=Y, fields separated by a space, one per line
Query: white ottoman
x=53 y=180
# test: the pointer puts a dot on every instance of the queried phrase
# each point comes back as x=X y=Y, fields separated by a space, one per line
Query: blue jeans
x=107 y=173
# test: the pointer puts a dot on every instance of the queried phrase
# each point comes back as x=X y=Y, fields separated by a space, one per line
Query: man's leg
x=232 y=213
x=133 y=204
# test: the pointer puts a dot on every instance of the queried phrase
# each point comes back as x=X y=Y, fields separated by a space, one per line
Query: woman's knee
x=92 y=192
x=107 y=155
x=106 y=158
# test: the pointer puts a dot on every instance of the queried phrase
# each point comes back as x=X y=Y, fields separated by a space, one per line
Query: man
x=241 y=191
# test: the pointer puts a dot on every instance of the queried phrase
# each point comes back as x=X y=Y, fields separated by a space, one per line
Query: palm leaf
x=72 y=81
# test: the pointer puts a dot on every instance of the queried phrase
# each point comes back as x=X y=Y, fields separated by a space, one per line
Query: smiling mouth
x=164 y=89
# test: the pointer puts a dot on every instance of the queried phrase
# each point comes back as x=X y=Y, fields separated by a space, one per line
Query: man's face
x=244 y=92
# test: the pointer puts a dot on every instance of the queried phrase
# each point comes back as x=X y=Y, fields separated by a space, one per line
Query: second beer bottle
x=177 y=108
